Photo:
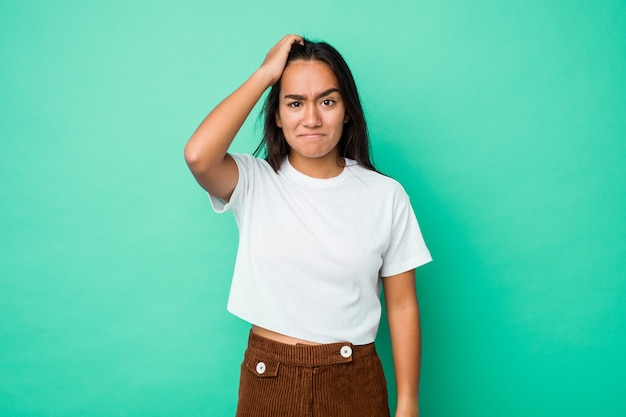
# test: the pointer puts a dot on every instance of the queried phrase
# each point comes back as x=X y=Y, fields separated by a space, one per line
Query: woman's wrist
x=262 y=78
x=407 y=406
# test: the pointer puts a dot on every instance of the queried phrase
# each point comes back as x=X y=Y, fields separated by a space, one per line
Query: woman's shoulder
x=376 y=179
x=246 y=158
x=250 y=162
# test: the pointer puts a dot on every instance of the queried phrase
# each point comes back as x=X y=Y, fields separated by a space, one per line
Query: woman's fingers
x=276 y=58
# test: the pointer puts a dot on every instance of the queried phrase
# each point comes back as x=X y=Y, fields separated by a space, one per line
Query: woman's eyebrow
x=322 y=94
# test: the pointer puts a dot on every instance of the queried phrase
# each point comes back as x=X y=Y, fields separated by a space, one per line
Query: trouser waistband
x=308 y=355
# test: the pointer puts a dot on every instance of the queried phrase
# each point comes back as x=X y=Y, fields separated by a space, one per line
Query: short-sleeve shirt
x=312 y=252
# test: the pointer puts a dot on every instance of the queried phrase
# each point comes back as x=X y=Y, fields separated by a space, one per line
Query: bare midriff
x=268 y=334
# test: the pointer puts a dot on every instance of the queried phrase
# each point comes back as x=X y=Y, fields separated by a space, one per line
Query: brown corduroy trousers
x=332 y=380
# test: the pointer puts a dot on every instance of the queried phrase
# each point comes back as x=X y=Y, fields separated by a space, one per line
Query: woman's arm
x=404 y=328
x=206 y=151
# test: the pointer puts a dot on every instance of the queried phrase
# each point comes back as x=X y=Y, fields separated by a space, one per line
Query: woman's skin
x=206 y=151
x=311 y=114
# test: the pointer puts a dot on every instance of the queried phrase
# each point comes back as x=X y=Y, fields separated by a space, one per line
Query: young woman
x=319 y=231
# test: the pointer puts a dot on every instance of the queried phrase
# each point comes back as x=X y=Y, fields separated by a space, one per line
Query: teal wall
x=505 y=121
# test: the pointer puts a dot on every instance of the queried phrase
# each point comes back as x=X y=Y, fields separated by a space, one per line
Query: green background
x=505 y=121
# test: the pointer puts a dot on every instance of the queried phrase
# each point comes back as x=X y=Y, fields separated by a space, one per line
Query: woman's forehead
x=301 y=77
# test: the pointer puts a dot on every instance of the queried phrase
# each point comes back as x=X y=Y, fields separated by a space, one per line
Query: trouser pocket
x=260 y=366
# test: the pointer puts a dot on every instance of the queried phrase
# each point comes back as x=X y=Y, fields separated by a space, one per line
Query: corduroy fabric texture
x=330 y=380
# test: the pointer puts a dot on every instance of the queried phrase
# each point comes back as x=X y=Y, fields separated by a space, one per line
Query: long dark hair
x=354 y=142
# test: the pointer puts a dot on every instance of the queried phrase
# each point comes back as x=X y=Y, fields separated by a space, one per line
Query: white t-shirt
x=312 y=252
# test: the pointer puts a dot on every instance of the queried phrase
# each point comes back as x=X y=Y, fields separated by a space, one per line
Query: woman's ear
x=277 y=118
x=346 y=118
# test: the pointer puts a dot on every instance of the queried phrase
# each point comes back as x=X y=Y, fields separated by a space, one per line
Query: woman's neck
x=327 y=166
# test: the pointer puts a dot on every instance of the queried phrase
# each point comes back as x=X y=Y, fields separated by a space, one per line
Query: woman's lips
x=311 y=135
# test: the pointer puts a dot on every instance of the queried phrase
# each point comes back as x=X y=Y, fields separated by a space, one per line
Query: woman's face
x=311 y=112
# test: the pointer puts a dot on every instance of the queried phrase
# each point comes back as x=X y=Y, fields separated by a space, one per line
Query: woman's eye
x=294 y=104
x=328 y=102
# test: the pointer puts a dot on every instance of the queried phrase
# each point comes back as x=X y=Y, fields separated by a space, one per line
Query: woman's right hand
x=276 y=59
x=206 y=150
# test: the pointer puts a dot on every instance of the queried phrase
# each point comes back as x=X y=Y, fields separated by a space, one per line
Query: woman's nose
x=312 y=116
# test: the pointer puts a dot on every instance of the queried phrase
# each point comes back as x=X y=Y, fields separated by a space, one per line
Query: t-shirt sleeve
x=407 y=249
x=244 y=166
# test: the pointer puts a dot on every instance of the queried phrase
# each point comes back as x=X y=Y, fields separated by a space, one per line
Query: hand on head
x=276 y=59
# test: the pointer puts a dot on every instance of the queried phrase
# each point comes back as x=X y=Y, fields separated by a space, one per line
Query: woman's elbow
x=192 y=156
